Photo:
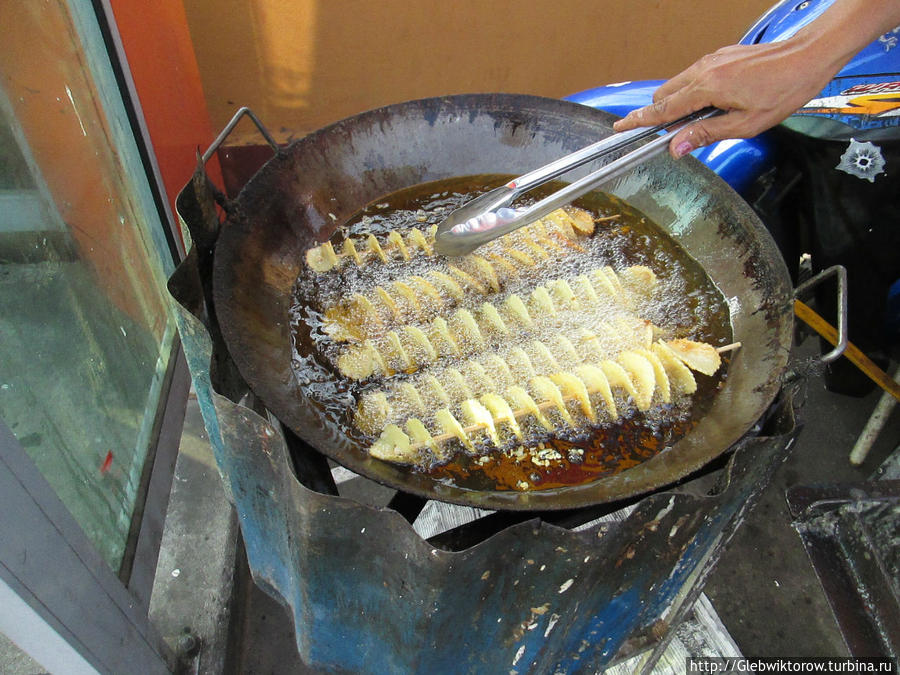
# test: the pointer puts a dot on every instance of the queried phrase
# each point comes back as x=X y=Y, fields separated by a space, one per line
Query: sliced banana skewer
x=363 y=250
x=493 y=371
x=421 y=297
x=551 y=233
x=642 y=374
x=408 y=348
x=509 y=379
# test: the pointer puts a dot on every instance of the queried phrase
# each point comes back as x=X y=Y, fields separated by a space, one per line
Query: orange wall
x=161 y=59
x=301 y=64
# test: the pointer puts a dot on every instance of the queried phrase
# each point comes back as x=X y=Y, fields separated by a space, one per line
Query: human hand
x=760 y=85
x=757 y=86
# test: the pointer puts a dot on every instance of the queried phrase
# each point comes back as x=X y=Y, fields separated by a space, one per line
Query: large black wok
x=299 y=197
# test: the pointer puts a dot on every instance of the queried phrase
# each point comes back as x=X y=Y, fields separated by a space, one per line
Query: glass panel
x=85 y=334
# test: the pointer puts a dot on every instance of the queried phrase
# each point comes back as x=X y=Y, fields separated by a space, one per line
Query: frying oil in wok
x=688 y=305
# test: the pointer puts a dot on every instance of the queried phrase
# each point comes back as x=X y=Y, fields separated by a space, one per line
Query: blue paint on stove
x=606 y=631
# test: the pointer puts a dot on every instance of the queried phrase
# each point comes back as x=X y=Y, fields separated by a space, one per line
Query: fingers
x=735 y=124
x=677 y=82
x=667 y=109
x=693 y=136
x=643 y=117
x=756 y=84
x=674 y=98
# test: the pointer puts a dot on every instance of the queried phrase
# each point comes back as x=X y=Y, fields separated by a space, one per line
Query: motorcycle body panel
x=862 y=101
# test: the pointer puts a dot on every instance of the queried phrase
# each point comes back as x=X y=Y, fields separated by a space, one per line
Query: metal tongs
x=490 y=215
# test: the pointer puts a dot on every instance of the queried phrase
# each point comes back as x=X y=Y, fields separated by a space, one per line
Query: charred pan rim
x=289 y=203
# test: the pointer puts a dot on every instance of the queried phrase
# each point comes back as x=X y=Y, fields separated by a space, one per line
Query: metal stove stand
x=565 y=592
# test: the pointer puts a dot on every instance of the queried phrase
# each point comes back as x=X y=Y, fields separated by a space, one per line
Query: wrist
x=824 y=50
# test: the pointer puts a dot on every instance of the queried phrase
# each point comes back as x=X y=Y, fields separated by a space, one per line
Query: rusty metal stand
x=851 y=533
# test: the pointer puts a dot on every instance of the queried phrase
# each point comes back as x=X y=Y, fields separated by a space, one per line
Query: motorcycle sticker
x=863 y=160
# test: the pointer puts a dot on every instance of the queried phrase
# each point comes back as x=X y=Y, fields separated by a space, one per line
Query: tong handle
x=606 y=146
x=461 y=244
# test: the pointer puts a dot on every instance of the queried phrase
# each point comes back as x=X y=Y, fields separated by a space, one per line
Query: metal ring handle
x=230 y=127
x=196 y=202
x=840 y=272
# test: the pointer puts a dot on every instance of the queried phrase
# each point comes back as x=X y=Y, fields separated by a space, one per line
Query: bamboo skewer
x=857 y=358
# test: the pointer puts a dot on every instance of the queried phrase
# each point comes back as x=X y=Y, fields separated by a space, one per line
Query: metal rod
x=231 y=125
x=840 y=341
x=877 y=420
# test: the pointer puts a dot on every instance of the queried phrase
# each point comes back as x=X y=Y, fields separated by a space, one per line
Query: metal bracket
x=204 y=158
x=840 y=272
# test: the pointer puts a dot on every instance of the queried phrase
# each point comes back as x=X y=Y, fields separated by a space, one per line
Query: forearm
x=844 y=29
x=759 y=85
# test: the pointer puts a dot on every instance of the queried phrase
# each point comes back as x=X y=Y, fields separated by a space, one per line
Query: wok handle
x=230 y=127
x=840 y=272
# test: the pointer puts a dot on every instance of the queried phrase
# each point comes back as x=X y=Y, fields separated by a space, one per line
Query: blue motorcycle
x=824 y=181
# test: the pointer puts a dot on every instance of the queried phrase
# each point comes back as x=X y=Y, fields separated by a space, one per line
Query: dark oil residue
x=631 y=239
